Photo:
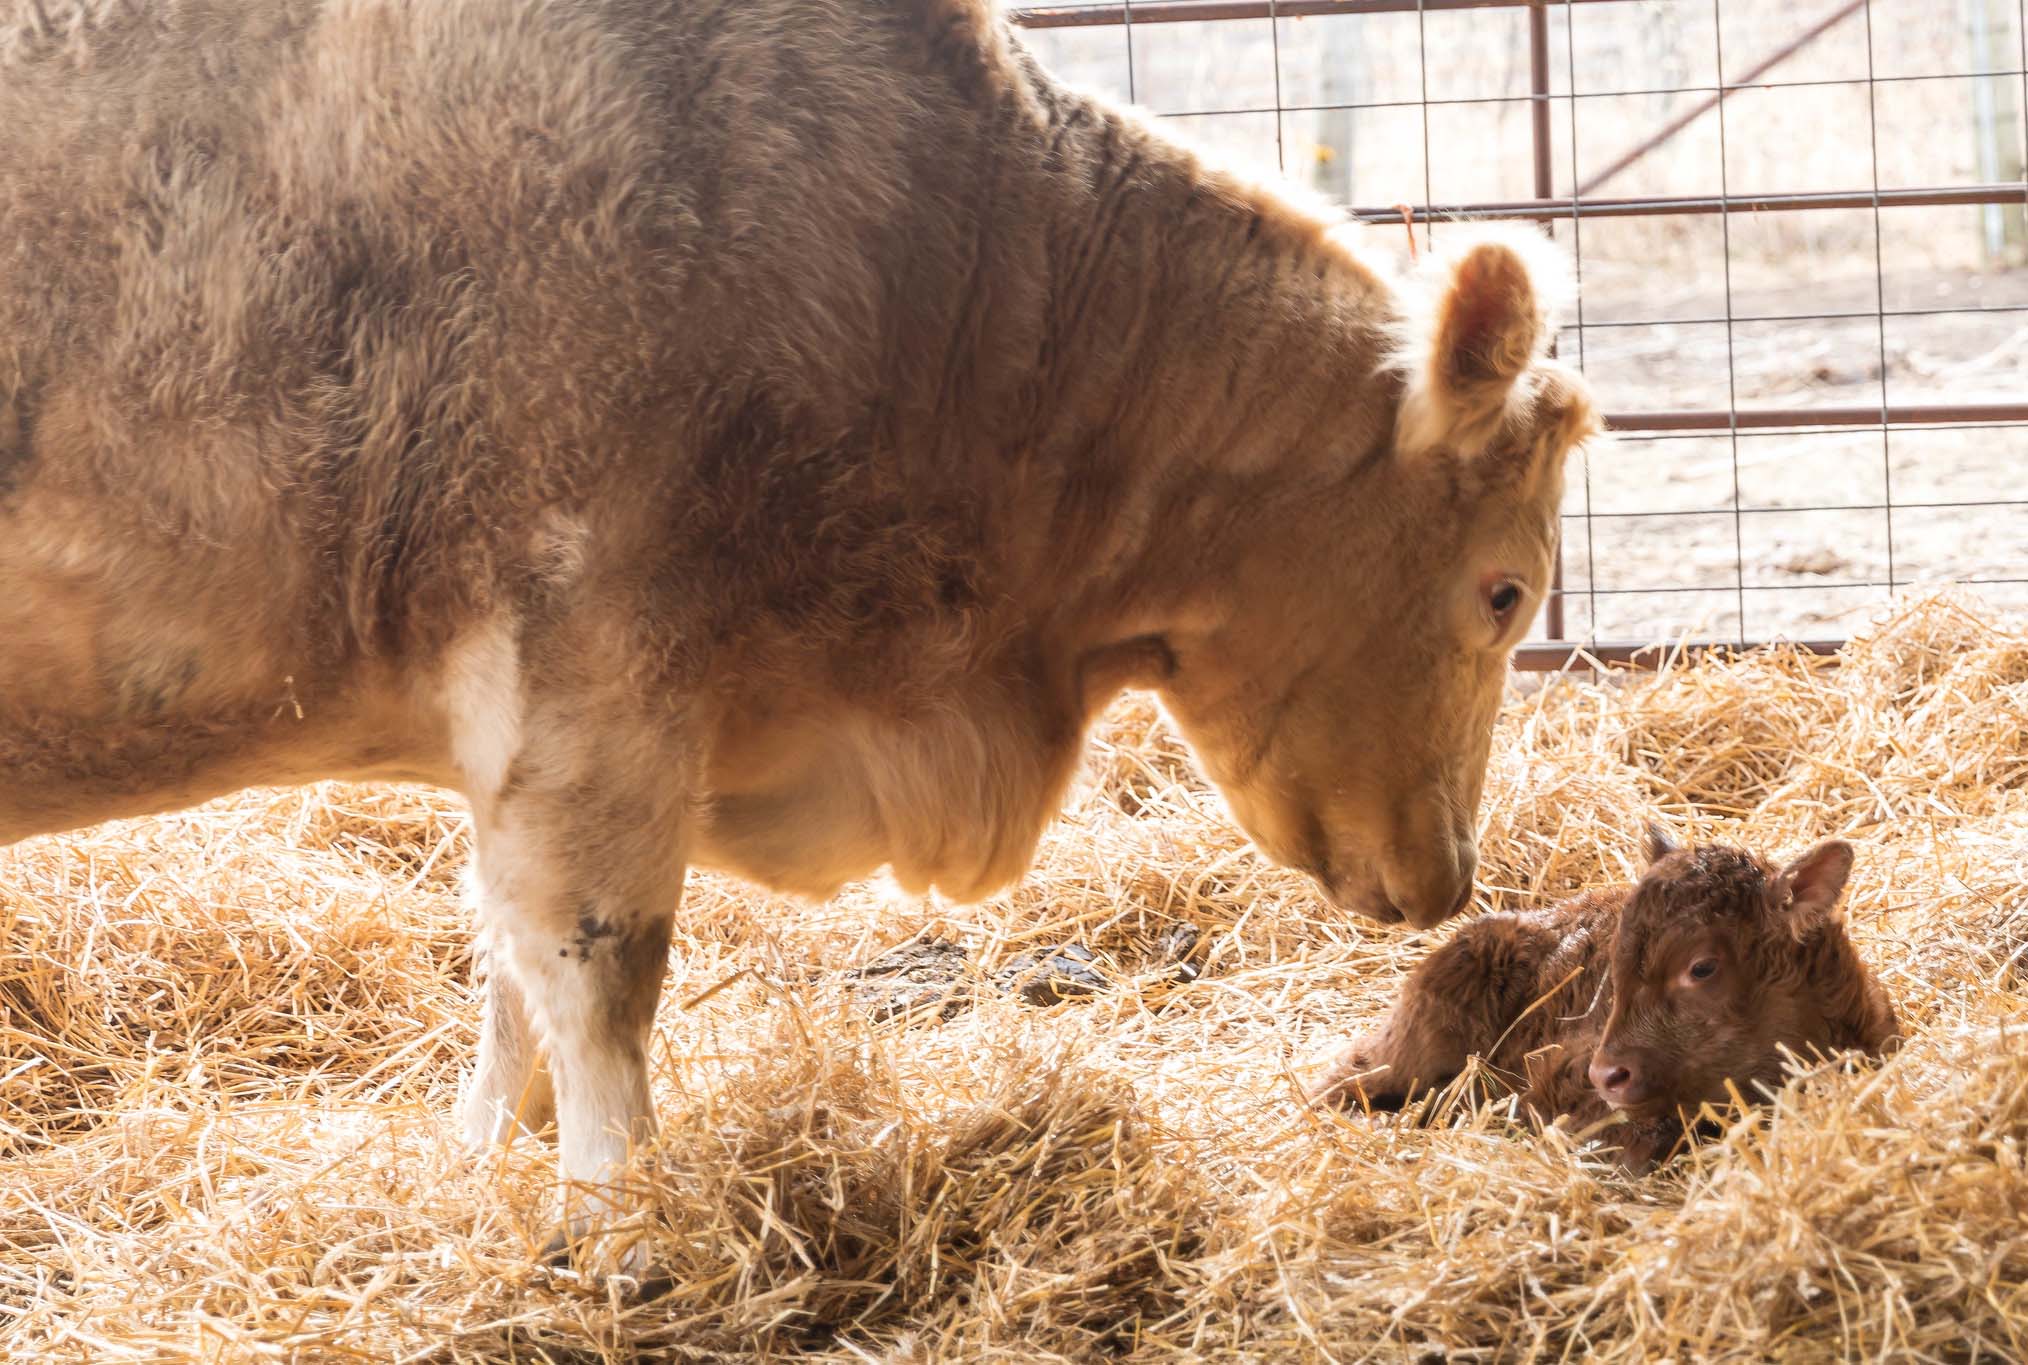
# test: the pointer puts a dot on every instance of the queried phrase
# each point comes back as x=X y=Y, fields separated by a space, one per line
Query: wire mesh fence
x=1800 y=233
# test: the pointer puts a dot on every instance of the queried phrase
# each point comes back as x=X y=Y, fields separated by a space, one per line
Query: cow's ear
x=1656 y=844
x=1807 y=891
x=1487 y=326
x=1487 y=322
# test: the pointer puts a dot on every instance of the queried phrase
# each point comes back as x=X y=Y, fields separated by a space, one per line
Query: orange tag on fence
x=1408 y=222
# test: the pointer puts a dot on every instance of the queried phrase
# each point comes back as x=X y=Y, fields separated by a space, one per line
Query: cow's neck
x=1205 y=351
x=1140 y=363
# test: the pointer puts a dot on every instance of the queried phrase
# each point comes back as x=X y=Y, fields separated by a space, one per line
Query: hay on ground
x=230 y=1042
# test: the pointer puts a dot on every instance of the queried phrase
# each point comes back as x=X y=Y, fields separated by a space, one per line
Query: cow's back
x=326 y=327
x=332 y=297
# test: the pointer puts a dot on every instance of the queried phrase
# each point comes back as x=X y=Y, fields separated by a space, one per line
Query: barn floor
x=230 y=1043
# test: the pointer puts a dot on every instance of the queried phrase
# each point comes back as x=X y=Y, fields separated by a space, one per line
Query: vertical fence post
x=1545 y=186
x=1342 y=82
x=1997 y=141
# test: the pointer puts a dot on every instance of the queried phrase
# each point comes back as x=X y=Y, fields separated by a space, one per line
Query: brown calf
x=1649 y=1000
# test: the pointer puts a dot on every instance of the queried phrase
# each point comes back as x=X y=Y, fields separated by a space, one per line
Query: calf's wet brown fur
x=1645 y=1001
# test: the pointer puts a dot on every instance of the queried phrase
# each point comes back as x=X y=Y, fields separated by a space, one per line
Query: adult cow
x=750 y=433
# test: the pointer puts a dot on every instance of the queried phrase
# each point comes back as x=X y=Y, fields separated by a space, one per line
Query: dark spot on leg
x=591 y=929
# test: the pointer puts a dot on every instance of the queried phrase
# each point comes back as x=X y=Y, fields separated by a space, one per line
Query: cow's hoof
x=588 y=1257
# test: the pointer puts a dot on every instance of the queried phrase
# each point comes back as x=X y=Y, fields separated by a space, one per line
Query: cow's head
x=1343 y=696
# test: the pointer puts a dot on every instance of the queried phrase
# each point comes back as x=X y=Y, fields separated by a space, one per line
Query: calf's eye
x=1502 y=597
x=1704 y=969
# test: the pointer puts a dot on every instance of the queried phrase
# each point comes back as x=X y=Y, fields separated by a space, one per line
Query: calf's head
x=1720 y=961
x=1344 y=704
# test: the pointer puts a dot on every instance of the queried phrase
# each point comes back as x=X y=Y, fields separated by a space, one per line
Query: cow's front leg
x=578 y=888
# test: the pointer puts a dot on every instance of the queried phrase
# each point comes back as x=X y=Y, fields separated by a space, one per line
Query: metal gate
x=1834 y=214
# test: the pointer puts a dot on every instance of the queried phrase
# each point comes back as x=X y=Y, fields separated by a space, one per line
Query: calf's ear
x=1656 y=844
x=1807 y=891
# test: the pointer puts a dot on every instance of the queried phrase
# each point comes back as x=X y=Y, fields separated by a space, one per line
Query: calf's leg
x=1458 y=1001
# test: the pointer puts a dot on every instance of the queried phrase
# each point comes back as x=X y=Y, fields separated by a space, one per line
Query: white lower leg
x=578 y=899
x=602 y=1114
x=596 y=1007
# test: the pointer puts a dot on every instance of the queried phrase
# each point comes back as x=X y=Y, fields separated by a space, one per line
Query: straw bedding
x=230 y=1043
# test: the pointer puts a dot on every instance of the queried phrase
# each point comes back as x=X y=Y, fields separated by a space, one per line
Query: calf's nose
x=1617 y=1079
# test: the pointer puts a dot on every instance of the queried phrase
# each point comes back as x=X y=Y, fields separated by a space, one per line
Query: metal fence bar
x=1577 y=255
x=1545 y=186
x=1194 y=11
x=1127 y=27
x=1784 y=509
x=1834 y=585
x=1468 y=101
x=1880 y=293
x=1422 y=72
x=2016 y=424
x=1890 y=414
x=2006 y=192
x=1731 y=355
x=1969 y=309
x=1281 y=112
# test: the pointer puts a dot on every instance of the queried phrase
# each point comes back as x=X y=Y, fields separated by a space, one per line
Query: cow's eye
x=1502 y=596
x=1703 y=969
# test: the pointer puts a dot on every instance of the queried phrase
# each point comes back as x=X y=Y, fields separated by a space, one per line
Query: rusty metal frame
x=1583 y=203
x=2006 y=192
x=1196 y=11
